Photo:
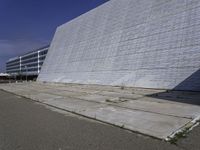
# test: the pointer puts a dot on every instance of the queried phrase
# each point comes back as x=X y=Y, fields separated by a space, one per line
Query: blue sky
x=29 y=24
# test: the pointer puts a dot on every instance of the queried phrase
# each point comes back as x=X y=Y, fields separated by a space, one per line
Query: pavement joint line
x=115 y=105
x=98 y=92
x=67 y=90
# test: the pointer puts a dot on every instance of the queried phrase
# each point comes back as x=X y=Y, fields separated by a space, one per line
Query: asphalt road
x=26 y=125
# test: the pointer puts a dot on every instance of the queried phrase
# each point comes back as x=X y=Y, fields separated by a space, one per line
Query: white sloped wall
x=139 y=43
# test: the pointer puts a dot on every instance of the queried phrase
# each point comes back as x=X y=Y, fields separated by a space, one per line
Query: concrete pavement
x=26 y=125
x=134 y=109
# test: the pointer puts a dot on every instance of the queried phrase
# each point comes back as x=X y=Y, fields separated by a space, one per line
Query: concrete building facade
x=28 y=64
x=138 y=43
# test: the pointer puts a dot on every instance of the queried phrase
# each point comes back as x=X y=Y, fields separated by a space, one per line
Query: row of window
x=42 y=58
x=23 y=70
x=31 y=65
x=33 y=60
x=29 y=56
x=13 y=67
x=30 y=61
x=30 y=70
x=13 y=72
x=12 y=63
x=43 y=52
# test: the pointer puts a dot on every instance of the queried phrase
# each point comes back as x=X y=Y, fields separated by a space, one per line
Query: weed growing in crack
x=179 y=135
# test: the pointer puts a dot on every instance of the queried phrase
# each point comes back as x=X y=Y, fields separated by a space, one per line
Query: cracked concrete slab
x=144 y=122
x=131 y=108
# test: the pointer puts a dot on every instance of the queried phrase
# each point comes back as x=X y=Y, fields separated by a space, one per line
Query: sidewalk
x=149 y=112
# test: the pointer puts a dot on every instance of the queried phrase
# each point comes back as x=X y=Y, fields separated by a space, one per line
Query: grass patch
x=179 y=135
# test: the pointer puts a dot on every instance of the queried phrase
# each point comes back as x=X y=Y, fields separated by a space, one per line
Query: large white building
x=27 y=64
x=138 y=43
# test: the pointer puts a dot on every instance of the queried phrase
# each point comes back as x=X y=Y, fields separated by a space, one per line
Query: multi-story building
x=28 y=64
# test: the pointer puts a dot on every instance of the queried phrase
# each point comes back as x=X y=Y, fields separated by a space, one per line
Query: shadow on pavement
x=188 y=91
